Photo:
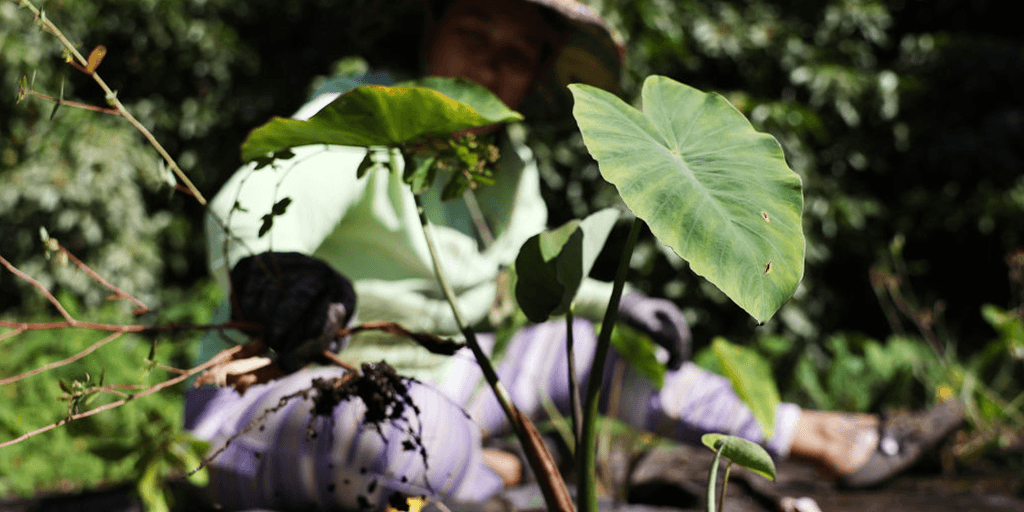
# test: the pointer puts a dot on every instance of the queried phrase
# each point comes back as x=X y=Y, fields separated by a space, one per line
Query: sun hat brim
x=591 y=53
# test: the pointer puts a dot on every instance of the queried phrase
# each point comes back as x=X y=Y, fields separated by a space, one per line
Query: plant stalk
x=585 y=451
x=576 y=408
x=712 y=479
x=556 y=495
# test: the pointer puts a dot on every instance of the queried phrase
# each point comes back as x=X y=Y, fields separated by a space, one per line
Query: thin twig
x=62 y=362
x=118 y=293
x=111 y=97
x=166 y=384
x=49 y=296
x=75 y=104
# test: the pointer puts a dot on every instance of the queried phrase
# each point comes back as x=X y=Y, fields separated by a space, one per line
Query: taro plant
x=736 y=451
x=689 y=165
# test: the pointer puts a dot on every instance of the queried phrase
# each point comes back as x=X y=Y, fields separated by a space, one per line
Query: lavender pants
x=435 y=448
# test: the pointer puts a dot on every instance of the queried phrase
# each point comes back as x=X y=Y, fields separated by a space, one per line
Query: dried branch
x=119 y=294
x=111 y=95
x=163 y=385
x=62 y=362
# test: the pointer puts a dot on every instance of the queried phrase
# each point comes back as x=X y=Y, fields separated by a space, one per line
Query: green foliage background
x=904 y=119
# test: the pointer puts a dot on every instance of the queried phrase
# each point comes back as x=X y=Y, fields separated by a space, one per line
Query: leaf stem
x=585 y=451
x=574 y=386
x=556 y=495
x=712 y=479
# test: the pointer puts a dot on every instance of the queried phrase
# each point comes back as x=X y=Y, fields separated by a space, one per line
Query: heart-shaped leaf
x=709 y=186
x=376 y=115
x=551 y=265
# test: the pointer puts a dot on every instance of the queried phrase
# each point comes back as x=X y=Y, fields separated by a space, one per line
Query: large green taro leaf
x=708 y=185
x=376 y=115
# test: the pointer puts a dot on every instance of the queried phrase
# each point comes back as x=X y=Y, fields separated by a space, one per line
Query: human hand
x=660 y=319
x=301 y=302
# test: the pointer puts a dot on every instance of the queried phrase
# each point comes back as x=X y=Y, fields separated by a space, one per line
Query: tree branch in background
x=165 y=384
x=88 y=66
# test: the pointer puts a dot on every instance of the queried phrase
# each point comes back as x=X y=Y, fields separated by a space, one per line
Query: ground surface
x=673 y=479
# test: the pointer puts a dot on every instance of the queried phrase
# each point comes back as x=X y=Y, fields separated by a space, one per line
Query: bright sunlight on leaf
x=709 y=186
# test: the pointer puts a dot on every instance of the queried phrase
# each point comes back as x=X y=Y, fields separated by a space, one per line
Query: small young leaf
x=366 y=164
x=281 y=206
x=95 y=57
x=22 y=88
x=455 y=187
x=268 y=222
x=420 y=172
x=745 y=453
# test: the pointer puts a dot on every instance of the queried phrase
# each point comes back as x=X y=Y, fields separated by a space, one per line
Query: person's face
x=496 y=43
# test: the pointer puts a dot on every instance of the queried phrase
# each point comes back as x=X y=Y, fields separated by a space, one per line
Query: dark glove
x=662 y=321
x=301 y=302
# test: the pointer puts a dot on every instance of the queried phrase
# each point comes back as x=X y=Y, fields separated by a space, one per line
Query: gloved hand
x=300 y=300
x=662 y=321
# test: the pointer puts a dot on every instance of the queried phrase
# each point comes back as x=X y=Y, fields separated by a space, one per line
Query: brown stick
x=166 y=384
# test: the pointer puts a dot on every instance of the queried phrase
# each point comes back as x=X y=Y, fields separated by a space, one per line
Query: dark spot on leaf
x=768 y=267
x=372 y=487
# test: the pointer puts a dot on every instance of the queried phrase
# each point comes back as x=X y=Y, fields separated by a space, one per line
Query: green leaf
x=150 y=488
x=709 y=186
x=639 y=351
x=551 y=265
x=374 y=115
x=365 y=165
x=745 y=453
x=752 y=379
x=420 y=172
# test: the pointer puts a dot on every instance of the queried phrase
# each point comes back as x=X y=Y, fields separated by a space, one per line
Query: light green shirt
x=369 y=230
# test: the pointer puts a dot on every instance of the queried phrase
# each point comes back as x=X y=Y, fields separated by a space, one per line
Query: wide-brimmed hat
x=591 y=52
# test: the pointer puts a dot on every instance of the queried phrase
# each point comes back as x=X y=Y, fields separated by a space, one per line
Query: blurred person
x=351 y=250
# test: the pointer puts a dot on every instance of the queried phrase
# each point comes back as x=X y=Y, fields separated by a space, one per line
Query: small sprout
x=22 y=89
x=167 y=175
x=112 y=98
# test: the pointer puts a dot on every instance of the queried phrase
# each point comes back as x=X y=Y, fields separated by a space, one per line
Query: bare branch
x=62 y=362
x=166 y=384
x=111 y=96
x=119 y=294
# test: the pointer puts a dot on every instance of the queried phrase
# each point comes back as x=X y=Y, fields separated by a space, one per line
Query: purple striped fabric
x=349 y=465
